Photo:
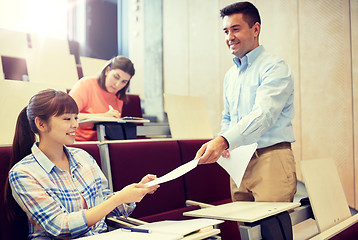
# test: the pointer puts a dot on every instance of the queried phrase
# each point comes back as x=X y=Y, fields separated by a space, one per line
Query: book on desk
x=112 y=119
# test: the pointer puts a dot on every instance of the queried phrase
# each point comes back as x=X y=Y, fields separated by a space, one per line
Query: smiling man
x=258 y=107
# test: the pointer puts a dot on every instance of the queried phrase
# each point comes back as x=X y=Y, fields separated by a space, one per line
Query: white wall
x=319 y=41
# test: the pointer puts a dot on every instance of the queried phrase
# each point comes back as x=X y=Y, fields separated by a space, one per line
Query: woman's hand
x=135 y=192
x=112 y=113
x=148 y=178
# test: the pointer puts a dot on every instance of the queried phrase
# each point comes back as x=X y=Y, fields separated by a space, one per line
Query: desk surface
x=118 y=234
x=90 y=121
x=202 y=235
x=243 y=211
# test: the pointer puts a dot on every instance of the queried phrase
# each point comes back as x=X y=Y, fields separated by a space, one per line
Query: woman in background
x=61 y=189
x=102 y=96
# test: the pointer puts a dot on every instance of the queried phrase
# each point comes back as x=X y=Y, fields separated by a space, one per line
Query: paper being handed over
x=179 y=171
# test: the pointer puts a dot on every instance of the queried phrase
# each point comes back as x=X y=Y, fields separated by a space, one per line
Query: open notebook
x=112 y=119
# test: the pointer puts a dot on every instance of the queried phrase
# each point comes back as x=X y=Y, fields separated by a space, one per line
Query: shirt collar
x=250 y=57
x=46 y=163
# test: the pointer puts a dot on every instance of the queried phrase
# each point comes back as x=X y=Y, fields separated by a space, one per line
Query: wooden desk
x=129 y=236
x=247 y=212
x=159 y=233
x=243 y=211
x=202 y=235
x=145 y=128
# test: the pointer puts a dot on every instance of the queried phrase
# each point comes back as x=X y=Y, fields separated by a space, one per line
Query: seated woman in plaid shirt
x=62 y=190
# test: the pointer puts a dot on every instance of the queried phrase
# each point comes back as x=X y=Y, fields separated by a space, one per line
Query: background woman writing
x=102 y=96
x=62 y=189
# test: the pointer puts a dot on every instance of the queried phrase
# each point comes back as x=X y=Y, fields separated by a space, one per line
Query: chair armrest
x=336 y=229
x=200 y=204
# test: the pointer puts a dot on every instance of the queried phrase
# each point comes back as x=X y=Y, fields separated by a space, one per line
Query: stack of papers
x=163 y=230
x=124 y=235
x=180 y=228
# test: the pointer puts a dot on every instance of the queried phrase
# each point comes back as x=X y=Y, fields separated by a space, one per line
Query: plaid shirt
x=51 y=197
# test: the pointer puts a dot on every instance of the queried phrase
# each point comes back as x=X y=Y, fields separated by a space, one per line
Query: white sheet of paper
x=124 y=235
x=237 y=163
x=179 y=171
x=180 y=227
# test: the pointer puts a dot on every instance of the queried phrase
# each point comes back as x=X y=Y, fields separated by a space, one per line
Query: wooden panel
x=136 y=46
x=2 y=77
x=13 y=44
x=326 y=88
x=175 y=47
x=279 y=35
x=325 y=192
x=225 y=56
x=205 y=28
x=354 y=34
x=49 y=45
x=92 y=66
x=50 y=68
x=188 y=117
x=17 y=93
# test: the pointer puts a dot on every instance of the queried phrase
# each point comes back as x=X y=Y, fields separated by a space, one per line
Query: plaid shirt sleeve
x=51 y=197
x=47 y=212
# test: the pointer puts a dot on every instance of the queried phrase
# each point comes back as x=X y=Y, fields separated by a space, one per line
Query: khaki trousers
x=270 y=176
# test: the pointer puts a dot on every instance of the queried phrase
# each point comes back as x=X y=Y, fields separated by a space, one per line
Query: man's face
x=240 y=38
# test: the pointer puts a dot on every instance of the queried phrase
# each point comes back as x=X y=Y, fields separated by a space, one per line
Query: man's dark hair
x=250 y=13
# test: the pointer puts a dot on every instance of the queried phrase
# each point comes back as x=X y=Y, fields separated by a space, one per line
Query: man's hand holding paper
x=234 y=162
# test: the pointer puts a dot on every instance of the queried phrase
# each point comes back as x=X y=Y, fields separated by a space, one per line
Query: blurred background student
x=61 y=189
x=102 y=96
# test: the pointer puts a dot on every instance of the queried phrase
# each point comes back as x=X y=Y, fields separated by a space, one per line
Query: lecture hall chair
x=132 y=160
x=18 y=229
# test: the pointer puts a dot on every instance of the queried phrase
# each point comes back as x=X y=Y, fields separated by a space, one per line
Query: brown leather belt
x=281 y=145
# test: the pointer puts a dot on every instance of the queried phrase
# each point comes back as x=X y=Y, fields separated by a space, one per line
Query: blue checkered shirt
x=51 y=197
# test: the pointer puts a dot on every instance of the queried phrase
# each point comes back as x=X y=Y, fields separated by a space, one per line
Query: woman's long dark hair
x=123 y=64
x=44 y=104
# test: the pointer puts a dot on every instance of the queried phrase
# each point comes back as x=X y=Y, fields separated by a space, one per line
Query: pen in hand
x=113 y=112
